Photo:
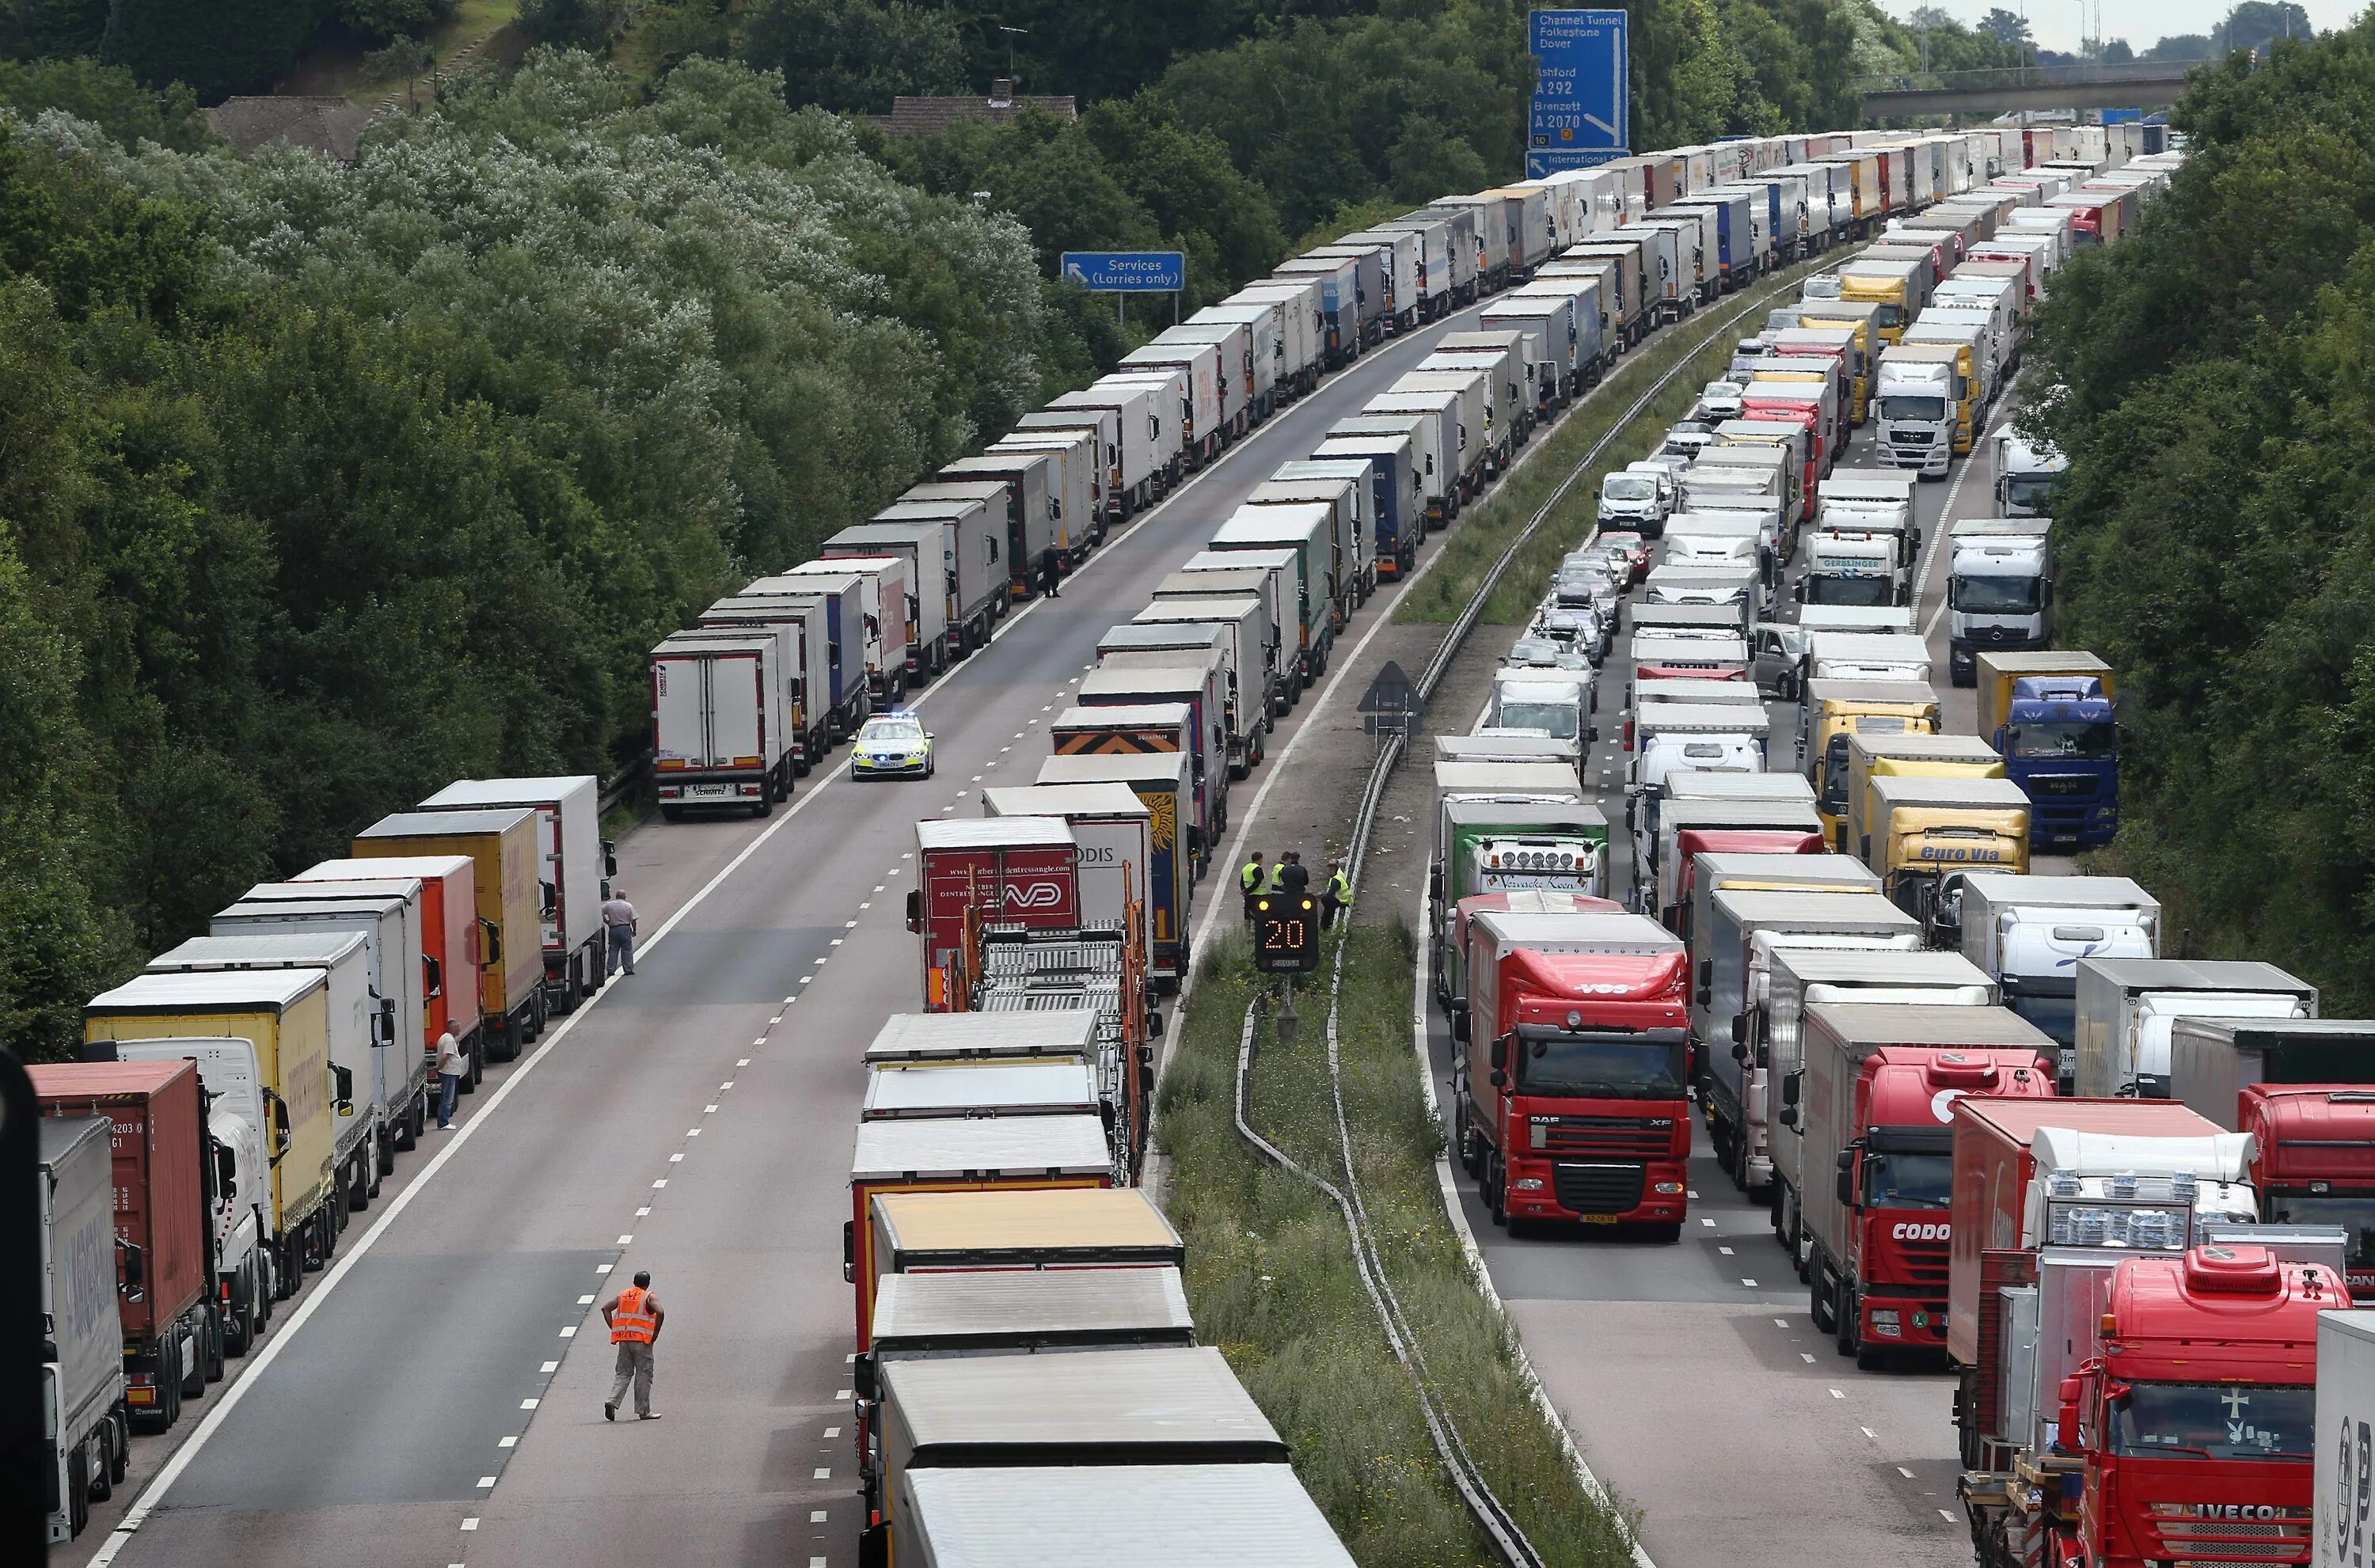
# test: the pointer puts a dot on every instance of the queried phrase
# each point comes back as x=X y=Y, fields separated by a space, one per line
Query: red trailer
x=164 y=1185
x=989 y=871
x=449 y=940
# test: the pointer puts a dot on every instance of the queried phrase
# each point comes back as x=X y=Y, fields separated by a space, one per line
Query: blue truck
x=2050 y=715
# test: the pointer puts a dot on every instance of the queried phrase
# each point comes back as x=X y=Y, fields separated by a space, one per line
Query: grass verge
x=1271 y=1277
x=1486 y=529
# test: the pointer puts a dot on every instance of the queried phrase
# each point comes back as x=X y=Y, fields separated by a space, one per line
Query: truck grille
x=1606 y=1138
x=1597 y=1189
x=2285 y=1538
x=2062 y=783
x=1925 y=1266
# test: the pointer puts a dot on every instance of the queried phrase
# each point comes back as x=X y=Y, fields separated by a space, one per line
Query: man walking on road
x=449 y=1068
x=635 y=1315
x=619 y=926
x=1051 y=567
x=1336 y=897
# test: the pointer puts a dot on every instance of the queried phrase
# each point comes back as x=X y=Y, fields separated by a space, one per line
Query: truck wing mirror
x=1435 y=884
x=388 y=1021
x=280 y=1126
x=226 y=1172
x=861 y=1377
x=849 y=1251
x=432 y=977
x=609 y=857
x=1846 y=1179
x=1591 y=733
x=342 y=1080
x=1153 y=1024
x=1500 y=1052
x=1788 y=1115
x=494 y=944
x=1459 y=1028
x=1497 y=1079
x=915 y=909
x=134 y=1270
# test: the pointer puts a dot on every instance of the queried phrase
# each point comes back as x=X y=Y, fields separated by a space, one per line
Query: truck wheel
x=1849 y=1314
x=1819 y=1300
x=386 y=1142
x=1667 y=1235
x=77 y=1489
x=407 y=1128
x=101 y=1449
x=217 y=1350
x=1495 y=1191
x=193 y=1370
x=239 y=1328
x=387 y=1154
x=119 y=1446
x=767 y=807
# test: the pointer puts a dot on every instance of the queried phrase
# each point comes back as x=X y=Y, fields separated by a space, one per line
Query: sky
x=2055 y=25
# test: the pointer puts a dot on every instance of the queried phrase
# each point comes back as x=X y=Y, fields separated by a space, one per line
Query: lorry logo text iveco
x=1913 y=1230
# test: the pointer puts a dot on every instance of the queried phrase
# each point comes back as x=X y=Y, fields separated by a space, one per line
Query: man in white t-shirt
x=618 y=926
x=451 y=1065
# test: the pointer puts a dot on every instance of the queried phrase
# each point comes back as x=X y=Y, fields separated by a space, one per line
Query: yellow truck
x=1832 y=710
x=283 y=1014
x=507 y=856
x=1906 y=756
x=1919 y=829
x=1895 y=287
x=1861 y=318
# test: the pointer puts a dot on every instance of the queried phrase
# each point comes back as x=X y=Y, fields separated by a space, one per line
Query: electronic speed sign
x=1286 y=934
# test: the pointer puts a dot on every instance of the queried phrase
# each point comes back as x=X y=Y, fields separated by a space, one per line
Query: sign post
x=1581 y=114
x=1124 y=273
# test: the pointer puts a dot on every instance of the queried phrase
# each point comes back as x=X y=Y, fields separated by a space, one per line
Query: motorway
x=1690 y=1375
x=426 y=1400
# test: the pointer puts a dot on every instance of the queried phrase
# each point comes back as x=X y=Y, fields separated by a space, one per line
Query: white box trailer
x=1112 y=827
x=1346 y=495
x=577 y=869
x=1033 y=487
x=1200 y=365
x=1433 y=484
x=1340 y=315
x=1400 y=265
x=2127 y=1008
x=2028 y=933
x=722 y=731
x=386 y=913
x=1076 y=496
x=2340 y=1522
x=1279 y=582
x=1263 y=322
x=1233 y=368
x=880 y=582
x=1130 y=420
x=1436 y=293
x=1303 y=336
x=82 y=1358
x=1167 y=415
x=973 y=554
x=1509 y=401
x=809 y=670
x=1253 y=646
x=1441 y=408
x=921 y=547
x=1308 y=528
x=1231 y=1516
x=1373 y=470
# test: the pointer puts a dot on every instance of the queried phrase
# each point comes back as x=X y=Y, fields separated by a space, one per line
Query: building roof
x=328 y=125
x=925 y=116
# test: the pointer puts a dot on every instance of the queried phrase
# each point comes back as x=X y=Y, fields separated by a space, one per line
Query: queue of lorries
x=270 y=1073
x=2123 y=1194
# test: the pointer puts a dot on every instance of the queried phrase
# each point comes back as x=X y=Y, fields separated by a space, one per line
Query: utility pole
x=1011 y=34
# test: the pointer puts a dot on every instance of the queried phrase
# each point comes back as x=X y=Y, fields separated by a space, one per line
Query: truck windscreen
x=1643 y=1065
x=2093 y=738
x=1996 y=595
x=1908 y=1179
x=1823 y=589
x=2031 y=493
x=2354 y=1212
x=1554 y=719
x=2215 y=1420
x=1906 y=406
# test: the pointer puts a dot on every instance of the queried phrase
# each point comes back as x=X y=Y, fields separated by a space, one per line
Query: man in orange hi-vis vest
x=635 y=1315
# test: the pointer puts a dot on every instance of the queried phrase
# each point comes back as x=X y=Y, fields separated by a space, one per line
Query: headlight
x=1528 y=1183
x=1667 y=1189
x=1885 y=1323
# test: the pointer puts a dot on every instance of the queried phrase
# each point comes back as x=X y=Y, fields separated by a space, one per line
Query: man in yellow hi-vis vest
x=1251 y=881
x=635 y=1315
x=1336 y=897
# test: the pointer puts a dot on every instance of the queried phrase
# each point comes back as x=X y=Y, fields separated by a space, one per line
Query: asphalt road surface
x=1690 y=1374
x=437 y=1397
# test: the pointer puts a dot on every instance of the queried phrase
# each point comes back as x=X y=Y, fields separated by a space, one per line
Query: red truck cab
x=2196 y=1422
x=1755 y=405
x=1570 y=1099
x=1899 y=1181
x=2314 y=1162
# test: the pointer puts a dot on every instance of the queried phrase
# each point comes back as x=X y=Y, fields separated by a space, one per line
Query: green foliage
x=570 y=24
x=2217 y=541
x=322 y=485
x=109 y=98
x=219 y=47
x=31 y=30
x=2182 y=46
x=854 y=54
x=388 y=19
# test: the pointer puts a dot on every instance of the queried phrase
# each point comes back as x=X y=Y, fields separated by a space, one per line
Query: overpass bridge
x=2136 y=84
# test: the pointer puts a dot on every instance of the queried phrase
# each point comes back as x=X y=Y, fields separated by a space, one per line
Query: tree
x=406 y=60
x=2007 y=27
x=2255 y=24
x=2118 y=53
x=854 y=54
x=108 y=98
x=388 y=21
x=219 y=47
x=570 y=24
x=2182 y=46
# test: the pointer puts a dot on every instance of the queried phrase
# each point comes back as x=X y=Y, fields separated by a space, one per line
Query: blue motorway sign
x=1582 y=107
x=1128 y=272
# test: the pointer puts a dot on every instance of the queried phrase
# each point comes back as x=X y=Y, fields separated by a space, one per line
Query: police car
x=888 y=745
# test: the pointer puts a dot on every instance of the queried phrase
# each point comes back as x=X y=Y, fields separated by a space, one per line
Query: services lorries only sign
x=1582 y=106
x=1128 y=272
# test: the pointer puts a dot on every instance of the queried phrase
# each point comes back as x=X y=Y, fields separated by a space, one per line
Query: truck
x=2128 y=1009
x=1999 y=589
x=86 y=1433
x=1880 y=1086
x=1135 y=679
x=1257 y=673
x=1343 y=487
x=1916 y=829
x=161 y=1174
x=1691 y=824
x=1017 y=870
x=1076 y=479
x=875 y=588
x=1558 y=703
x=1034 y=486
x=239 y=1190
x=2346 y=1391
x=923 y=552
x=973 y=552
x=1398 y=492
x=1890 y=754
x=1797 y=977
x=1203 y=424
x=448 y=939
x=723 y=730
x=1579 y=1109
x=2027 y=472
x=501 y=843
x=1269 y=575
x=1736 y=929
x=1114 y=830
x=2137 y=1375
x=804 y=656
x=387 y=915
x=2300 y=1088
x=1894 y=288
x=1667 y=738
x=1160 y=780
x=2050 y=715
x=1309 y=531
x=1508 y=846
x=577 y=864
x=1920 y=393
x=1207 y=1512
x=1832 y=710
x=357 y=1023
x=1434 y=475
x=1134 y=416
x=2028 y=933
x=1853 y=566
